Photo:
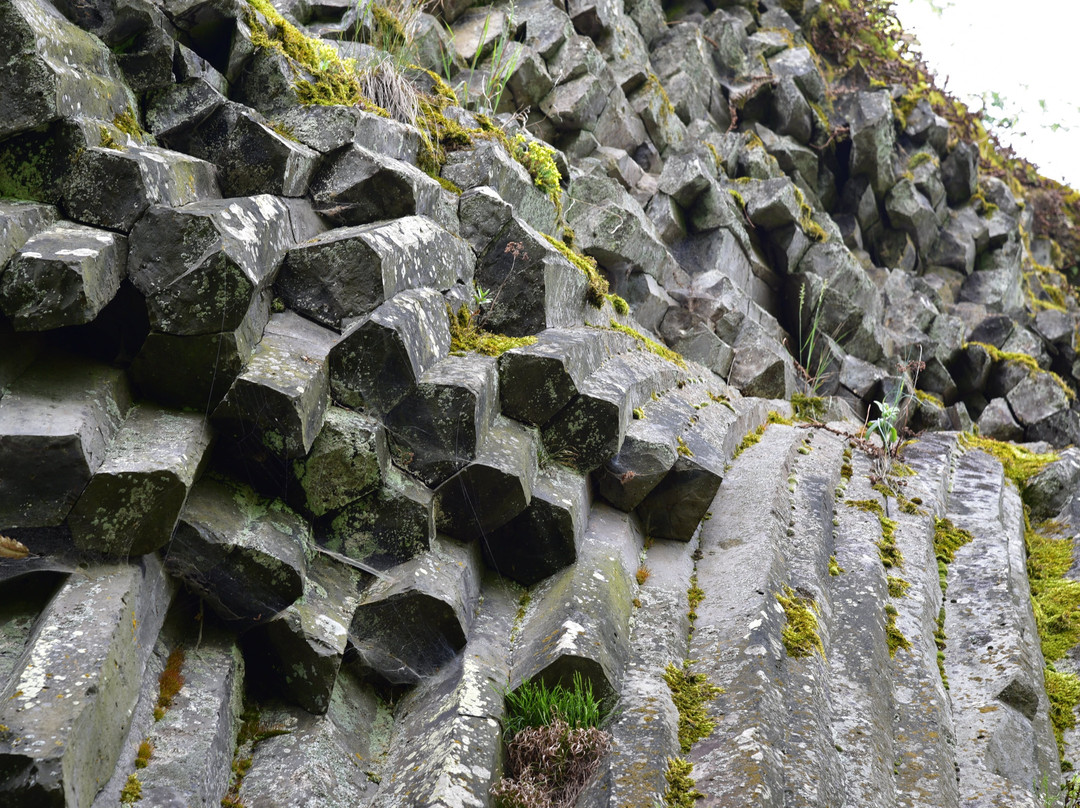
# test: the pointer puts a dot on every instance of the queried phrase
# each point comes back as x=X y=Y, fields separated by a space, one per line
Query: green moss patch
x=1020 y=464
x=692 y=693
x=680 y=791
x=808 y=408
x=887 y=550
x=799 y=634
x=948 y=538
x=652 y=346
x=898 y=587
x=894 y=638
x=998 y=355
x=539 y=160
x=749 y=439
x=1063 y=690
x=598 y=285
x=468 y=337
x=834 y=566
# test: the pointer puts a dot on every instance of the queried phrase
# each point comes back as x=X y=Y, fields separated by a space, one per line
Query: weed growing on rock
x=170 y=682
x=692 y=693
x=535 y=704
x=799 y=634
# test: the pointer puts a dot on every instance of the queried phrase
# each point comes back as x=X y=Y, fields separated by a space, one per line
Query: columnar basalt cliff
x=361 y=363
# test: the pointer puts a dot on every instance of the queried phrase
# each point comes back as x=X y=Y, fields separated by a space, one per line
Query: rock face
x=323 y=426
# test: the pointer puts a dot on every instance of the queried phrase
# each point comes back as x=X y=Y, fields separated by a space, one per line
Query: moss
x=143 y=755
x=680 y=791
x=810 y=228
x=649 y=345
x=1055 y=598
x=468 y=337
x=846 y=469
x=734 y=193
x=621 y=306
x=808 y=408
x=539 y=160
x=107 y=139
x=919 y=158
x=898 y=587
x=598 y=285
x=834 y=566
x=940 y=642
x=929 y=398
x=666 y=107
x=773 y=417
x=642 y=575
x=694 y=597
x=682 y=448
x=749 y=439
x=894 y=638
x=721 y=399
x=448 y=185
x=691 y=692
x=1063 y=690
x=639 y=414
x=1020 y=464
x=888 y=552
x=132 y=790
x=799 y=634
x=128 y=123
x=948 y=538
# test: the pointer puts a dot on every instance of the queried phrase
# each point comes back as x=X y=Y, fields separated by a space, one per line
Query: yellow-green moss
x=894 y=638
x=1063 y=691
x=128 y=123
x=639 y=414
x=680 y=791
x=617 y=303
x=948 y=538
x=846 y=469
x=539 y=160
x=467 y=337
x=898 y=587
x=888 y=552
x=652 y=346
x=143 y=754
x=682 y=448
x=691 y=692
x=749 y=439
x=694 y=596
x=834 y=566
x=773 y=417
x=808 y=408
x=598 y=285
x=132 y=790
x=929 y=398
x=799 y=633
x=1019 y=463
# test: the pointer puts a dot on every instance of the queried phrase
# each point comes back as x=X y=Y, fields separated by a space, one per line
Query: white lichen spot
x=568 y=641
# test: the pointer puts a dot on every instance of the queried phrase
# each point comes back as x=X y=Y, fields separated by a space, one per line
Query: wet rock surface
x=321 y=430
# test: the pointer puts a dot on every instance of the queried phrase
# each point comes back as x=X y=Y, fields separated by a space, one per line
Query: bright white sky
x=1028 y=53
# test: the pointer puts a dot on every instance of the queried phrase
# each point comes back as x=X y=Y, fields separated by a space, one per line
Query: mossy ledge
x=800 y=634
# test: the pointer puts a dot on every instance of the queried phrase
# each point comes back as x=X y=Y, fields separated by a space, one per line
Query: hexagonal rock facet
x=345 y=273
x=201 y=265
x=62 y=276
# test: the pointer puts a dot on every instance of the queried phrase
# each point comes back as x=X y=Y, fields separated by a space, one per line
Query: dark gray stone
x=924 y=126
x=63 y=275
x=871 y=120
x=383 y=527
x=345 y=273
x=377 y=362
x=56 y=421
x=409 y=625
x=196 y=372
x=303 y=647
x=279 y=399
x=761 y=366
x=1048 y=491
x=544 y=538
x=347 y=460
x=959 y=172
x=494 y=488
x=201 y=266
x=52 y=69
x=357 y=186
x=245 y=555
x=251 y=157
x=437 y=428
x=1037 y=397
x=909 y=210
x=112 y=188
x=683 y=62
x=131 y=504
x=18 y=222
x=175 y=110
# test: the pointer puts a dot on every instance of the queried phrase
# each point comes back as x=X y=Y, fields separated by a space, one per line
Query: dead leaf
x=9 y=548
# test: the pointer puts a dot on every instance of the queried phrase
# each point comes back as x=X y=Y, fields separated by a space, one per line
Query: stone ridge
x=273 y=534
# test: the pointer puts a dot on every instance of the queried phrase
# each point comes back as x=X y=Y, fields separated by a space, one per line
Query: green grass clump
x=534 y=704
x=691 y=693
x=468 y=337
x=799 y=634
x=652 y=346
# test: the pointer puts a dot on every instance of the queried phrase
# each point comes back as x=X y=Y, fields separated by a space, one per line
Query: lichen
x=799 y=633
x=691 y=692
